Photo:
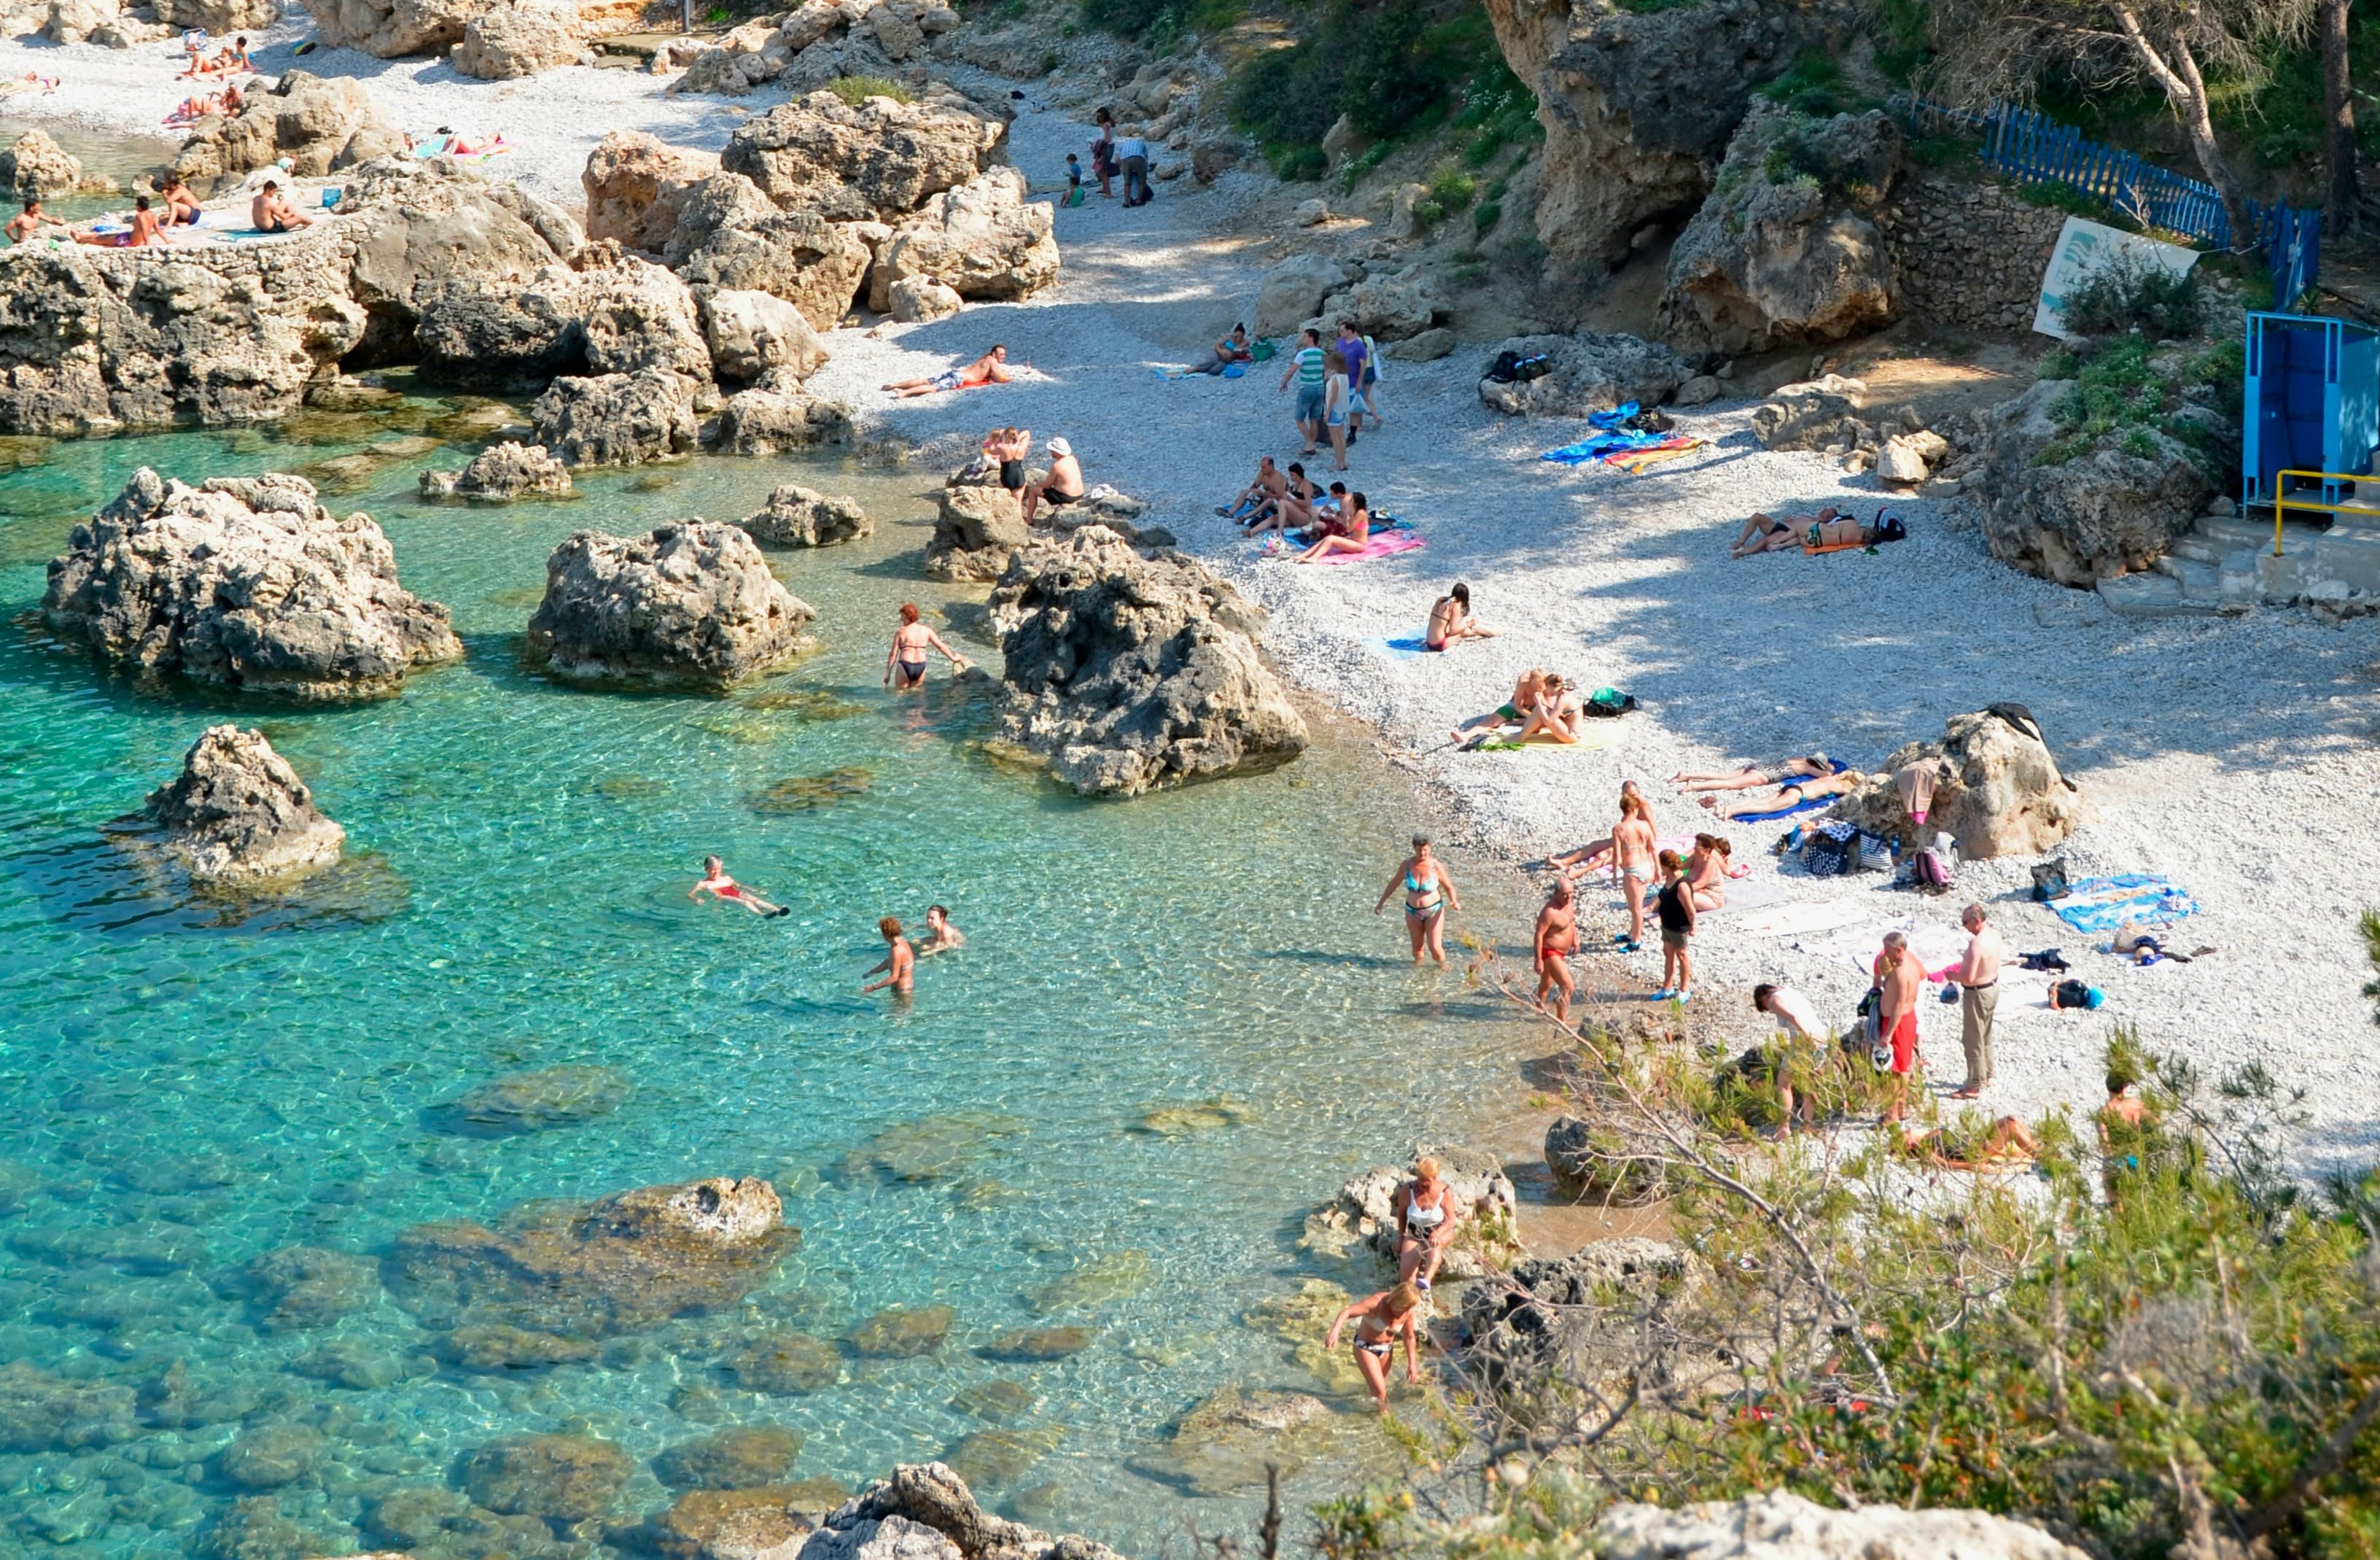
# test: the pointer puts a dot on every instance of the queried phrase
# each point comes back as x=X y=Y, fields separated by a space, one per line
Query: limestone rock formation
x=34 y=165
x=750 y=333
x=1128 y=672
x=690 y=604
x=72 y=21
x=882 y=157
x=636 y=187
x=1364 y=1217
x=421 y=227
x=919 y=300
x=981 y=241
x=1590 y=372
x=930 y=1496
x=814 y=43
x=1785 y=249
x=516 y=38
x=978 y=528
x=502 y=473
x=616 y=419
x=247 y=582
x=219 y=17
x=238 y=812
x=1638 y=105
x=389 y=29
x=2105 y=510
x=624 y=1262
x=625 y=317
x=778 y=414
x=320 y=124
x=1996 y=790
x=1814 y=414
x=1293 y=292
x=709 y=209
x=1532 y=1324
x=1779 y=1526
x=1591 y=1162
x=1385 y=307
x=798 y=516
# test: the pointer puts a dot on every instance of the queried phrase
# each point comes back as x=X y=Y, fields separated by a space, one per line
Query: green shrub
x=1452 y=188
x=1812 y=84
x=856 y=90
x=1389 y=84
x=1484 y=219
x=2125 y=293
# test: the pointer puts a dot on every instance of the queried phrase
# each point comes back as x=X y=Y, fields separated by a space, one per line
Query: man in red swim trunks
x=1899 y=977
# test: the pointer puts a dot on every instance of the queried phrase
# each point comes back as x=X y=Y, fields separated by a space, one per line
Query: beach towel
x=1801 y=917
x=1754 y=894
x=1809 y=552
x=2104 y=904
x=1409 y=648
x=1637 y=464
x=1379 y=546
x=1598 y=446
x=1594 y=741
x=1806 y=804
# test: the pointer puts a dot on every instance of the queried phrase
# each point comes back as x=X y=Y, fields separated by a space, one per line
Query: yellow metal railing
x=2281 y=500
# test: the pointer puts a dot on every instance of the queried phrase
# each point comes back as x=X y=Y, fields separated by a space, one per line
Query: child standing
x=1675 y=906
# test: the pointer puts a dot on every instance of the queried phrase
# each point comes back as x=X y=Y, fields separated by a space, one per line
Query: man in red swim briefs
x=1899 y=977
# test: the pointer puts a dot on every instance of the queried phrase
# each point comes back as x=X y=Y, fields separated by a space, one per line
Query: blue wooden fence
x=2032 y=149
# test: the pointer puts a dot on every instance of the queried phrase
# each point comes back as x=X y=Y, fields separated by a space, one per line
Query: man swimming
x=719 y=886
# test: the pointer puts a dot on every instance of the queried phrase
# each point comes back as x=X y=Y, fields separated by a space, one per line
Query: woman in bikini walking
x=1380 y=1320
x=911 y=641
x=1429 y=894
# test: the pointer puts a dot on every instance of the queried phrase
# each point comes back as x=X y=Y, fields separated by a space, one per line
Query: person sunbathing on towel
x=270 y=213
x=987 y=369
x=1776 y=534
x=1479 y=729
x=1601 y=853
x=1750 y=775
x=2008 y=1143
x=1351 y=533
x=1557 y=715
x=146 y=229
x=1793 y=793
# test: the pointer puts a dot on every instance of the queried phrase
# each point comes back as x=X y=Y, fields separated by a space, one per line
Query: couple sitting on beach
x=231 y=57
x=146 y=227
x=1544 y=708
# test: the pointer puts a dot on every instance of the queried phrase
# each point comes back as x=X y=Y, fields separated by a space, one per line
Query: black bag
x=1609 y=703
x=1533 y=368
x=1890 y=527
x=1503 y=371
x=1832 y=850
x=2020 y=718
x=2049 y=882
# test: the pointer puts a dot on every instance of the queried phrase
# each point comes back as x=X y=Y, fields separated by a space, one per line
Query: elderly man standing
x=1978 y=976
x=1898 y=979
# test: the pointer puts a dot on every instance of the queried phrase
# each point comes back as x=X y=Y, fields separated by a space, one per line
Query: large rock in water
x=320 y=124
x=516 y=38
x=881 y=158
x=931 y=1498
x=1777 y=1526
x=1590 y=372
x=617 y=419
x=691 y=603
x=981 y=241
x=1784 y=250
x=33 y=164
x=568 y=1478
x=2108 y=508
x=778 y=414
x=424 y=226
x=623 y=317
x=239 y=811
x=636 y=187
x=247 y=582
x=798 y=516
x=1128 y=672
x=628 y=1261
x=978 y=528
x=389 y=29
x=1364 y=1217
x=502 y=473
x=1996 y=790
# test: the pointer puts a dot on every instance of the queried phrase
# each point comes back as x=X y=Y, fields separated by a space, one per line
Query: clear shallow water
x=185 y=1090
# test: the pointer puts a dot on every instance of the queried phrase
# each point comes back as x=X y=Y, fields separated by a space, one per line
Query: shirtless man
x=1776 y=532
x=1556 y=940
x=1898 y=979
x=25 y=223
x=181 y=206
x=989 y=369
x=146 y=229
x=1526 y=691
x=900 y=966
x=1062 y=486
x=1295 y=508
x=940 y=935
x=1267 y=488
x=270 y=213
x=1978 y=980
x=1791 y=794
x=1633 y=844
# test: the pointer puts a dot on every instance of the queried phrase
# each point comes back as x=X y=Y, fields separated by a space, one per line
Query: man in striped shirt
x=1308 y=367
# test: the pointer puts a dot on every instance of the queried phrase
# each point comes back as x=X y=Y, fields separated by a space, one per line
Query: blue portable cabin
x=2311 y=404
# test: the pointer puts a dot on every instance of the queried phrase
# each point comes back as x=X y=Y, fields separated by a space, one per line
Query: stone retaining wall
x=1970 y=251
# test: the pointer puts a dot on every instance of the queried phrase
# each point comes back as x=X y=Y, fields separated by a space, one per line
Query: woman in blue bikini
x=1429 y=894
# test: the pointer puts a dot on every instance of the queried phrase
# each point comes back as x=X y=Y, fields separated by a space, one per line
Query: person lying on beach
x=1556 y=940
x=1380 y=1320
x=900 y=966
x=1429 y=894
x=181 y=206
x=1775 y=533
x=146 y=229
x=1480 y=728
x=908 y=657
x=31 y=220
x=989 y=369
x=1792 y=794
x=940 y=935
x=1352 y=532
x=2008 y=1143
x=1450 y=621
x=1249 y=507
x=1233 y=349
x=1062 y=486
x=1751 y=775
x=457 y=144
x=726 y=890
x=269 y=212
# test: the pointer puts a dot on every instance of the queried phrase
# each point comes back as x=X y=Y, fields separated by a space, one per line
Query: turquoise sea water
x=187 y=1088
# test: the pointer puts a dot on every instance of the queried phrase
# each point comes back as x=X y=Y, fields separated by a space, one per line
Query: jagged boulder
x=1785 y=249
x=616 y=419
x=1293 y=290
x=247 y=582
x=1588 y=372
x=33 y=164
x=888 y=158
x=690 y=604
x=424 y=226
x=751 y=333
x=219 y=17
x=978 y=528
x=919 y=300
x=1996 y=790
x=814 y=265
x=798 y=516
x=1364 y=1216
x=981 y=241
x=72 y=21
x=320 y=124
x=1779 y=1526
x=515 y=38
x=1384 y=307
x=1128 y=672
x=637 y=186
x=238 y=812
x=1542 y=1319
x=388 y=29
x=1822 y=413
x=778 y=414
x=625 y=317
x=2078 y=510
x=932 y=1497
x=502 y=473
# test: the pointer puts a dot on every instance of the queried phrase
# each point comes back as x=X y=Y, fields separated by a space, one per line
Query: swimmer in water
x=910 y=643
x=900 y=965
x=719 y=886
x=940 y=935
x=1381 y=1321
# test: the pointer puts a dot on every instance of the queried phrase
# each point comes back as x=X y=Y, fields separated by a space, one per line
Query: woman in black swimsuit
x=910 y=643
x=1380 y=1320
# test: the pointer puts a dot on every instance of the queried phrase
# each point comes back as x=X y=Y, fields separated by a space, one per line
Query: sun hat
x=1059 y=447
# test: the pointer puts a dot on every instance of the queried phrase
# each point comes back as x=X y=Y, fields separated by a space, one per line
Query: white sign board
x=2084 y=247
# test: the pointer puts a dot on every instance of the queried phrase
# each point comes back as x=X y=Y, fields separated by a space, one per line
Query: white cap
x=1059 y=447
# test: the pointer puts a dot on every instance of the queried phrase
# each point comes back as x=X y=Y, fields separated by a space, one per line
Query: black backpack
x=1504 y=369
x=1890 y=527
x=2049 y=881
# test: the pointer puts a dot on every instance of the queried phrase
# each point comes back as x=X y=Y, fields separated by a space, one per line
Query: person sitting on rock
x=900 y=966
x=182 y=206
x=25 y=223
x=1792 y=794
x=989 y=369
x=719 y=886
x=940 y=936
x=1778 y=533
x=1062 y=486
x=146 y=229
x=1425 y=1213
x=1380 y=1320
x=269 y=212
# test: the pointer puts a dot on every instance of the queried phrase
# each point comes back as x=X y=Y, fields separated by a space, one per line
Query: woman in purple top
x=1351 y=347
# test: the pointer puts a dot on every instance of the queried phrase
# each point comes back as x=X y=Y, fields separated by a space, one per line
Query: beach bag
x=1505 y=369
x=1527 y=369
x=1832 y=850
x=1930 y=873
x=2049 y=882
x=1890 y=527
x=1234 y=370
x=1262 y=351
x=2074 y=994
x=1073 y=196
x=1609 y=703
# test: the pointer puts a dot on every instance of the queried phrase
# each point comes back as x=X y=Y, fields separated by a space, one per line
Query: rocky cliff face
x=319 y=124
x=238 y=812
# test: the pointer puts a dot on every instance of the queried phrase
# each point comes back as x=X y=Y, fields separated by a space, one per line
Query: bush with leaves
x=2125 y=292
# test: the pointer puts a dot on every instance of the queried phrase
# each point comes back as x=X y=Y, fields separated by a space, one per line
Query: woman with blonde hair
x=1429 y=894
x=1380 y=1320
x=1426 y=1213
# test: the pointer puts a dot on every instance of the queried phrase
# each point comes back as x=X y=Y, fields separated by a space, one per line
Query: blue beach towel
x=1804 y=805
x=1613 y=418
x=2104 y=904
x=1594 y=446
x=1409 y=648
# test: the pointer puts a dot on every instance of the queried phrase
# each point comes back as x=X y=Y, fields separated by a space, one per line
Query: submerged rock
x=532 y=1101
x=615 y=1266
x=785 y=1364
x=430 y=1520
x=239 y=812
x=743 y=1459
x=502 y=473
x=899 y=1333
x=1038 y=1343
x=308 y=1286
x=1116 y=1276
x=565 y=1477
x=998 y=1458
x=691 y=602
x=998 y=1401
x=493 y=1346
x=42 y=1412
x=931 y=1147
x=1128 y=673
x=1222 y=1445
x=271 y=1455
x=1303 y=1317
x=247 y=582
x=763 y=1523
x=799 y=516
x=1203 y=1115
x=805 y=793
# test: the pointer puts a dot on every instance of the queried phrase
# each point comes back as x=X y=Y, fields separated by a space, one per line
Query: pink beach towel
x=1377 y=547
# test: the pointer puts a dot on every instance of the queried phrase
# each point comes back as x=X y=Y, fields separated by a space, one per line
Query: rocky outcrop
x=320 y=124
x=814 y=265
x=1363 y=1219
x=1540 y=1318
x=421 y=229
x=778 y=414
x=981 y=241
x=246 y=582
x=979 y=529
x=636 y=187
x=514 y=38
x=692 y=604
x=798 y=516
x=219 y=16
x=1591 y=1162
x=239 y=812
x=626 y=1263
x=33 y=166
x=750 y=333
x=881 y=159
x=1996 y=790
x=389 y=29
x=72 y=21
x=931 y=1497
x=625 y=317
x=1292 y=291
x=502 y=473
x=812 y=44
x=1588 y=372
x=1128 y=672
x=1777 y=1526
x=1786 y=248
x=1638 y=105
x=916 y=300
x=616 y=419
x=2107 y=507
x=1818 y=414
